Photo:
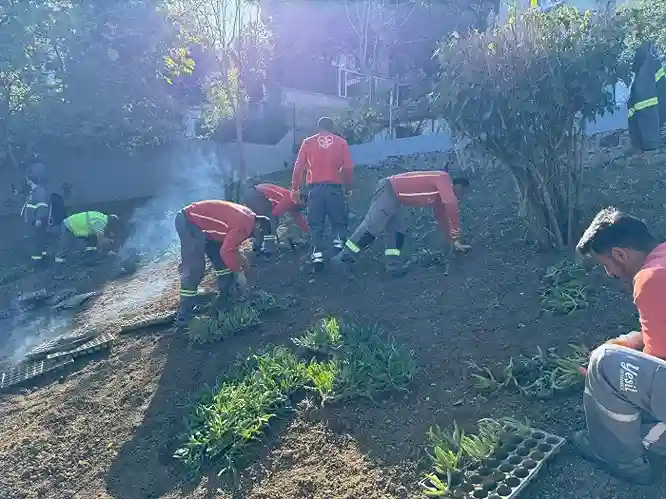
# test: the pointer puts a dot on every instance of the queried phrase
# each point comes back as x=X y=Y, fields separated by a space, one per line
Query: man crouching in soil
x=429 y=188
x=625 y=387
x=215 y=229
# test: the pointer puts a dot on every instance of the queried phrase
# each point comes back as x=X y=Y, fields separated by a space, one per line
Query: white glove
x=38 y=223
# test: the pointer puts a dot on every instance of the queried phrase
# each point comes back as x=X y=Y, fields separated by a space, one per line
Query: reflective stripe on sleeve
x=352 y=247
x=392 y=252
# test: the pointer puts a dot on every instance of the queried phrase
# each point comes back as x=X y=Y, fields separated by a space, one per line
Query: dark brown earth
x=108 y=426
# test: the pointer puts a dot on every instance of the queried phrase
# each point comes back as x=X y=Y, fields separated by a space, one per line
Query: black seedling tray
x=148 y=321
x=30 y=369
x=93 y=345
x=74 y=301
x=513 y=466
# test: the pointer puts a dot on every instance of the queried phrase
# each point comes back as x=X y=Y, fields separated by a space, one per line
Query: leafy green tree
x=524 y=92
x=231 y=31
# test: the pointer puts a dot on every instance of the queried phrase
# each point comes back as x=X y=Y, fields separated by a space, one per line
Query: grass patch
x=228 y=419
x=540 y=376
x=564 y=289
x=223 y=325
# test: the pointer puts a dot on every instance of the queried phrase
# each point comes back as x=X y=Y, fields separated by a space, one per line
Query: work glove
x=295 y=196
x=458 y=246
x=38 y=223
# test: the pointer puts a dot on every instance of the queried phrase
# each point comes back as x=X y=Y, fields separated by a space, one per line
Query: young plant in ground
x=477 y=448
x=236 y=413
x=322 y=377
x=264 y=302
x=324 y=337
x=223 y=325
x=564 y=288
x=372 y=363
x=483 y=379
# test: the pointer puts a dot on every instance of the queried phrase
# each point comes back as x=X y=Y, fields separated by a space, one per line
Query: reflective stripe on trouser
x=326 y=201
x=383 y=214
x=639 y=106
x=38 y=238
x=622 y=399
x=67 y=243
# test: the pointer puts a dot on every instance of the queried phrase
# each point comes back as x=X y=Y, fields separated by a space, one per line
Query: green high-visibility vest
x=87 y=223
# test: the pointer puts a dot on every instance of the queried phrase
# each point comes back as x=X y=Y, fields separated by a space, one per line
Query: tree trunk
x=242 y=167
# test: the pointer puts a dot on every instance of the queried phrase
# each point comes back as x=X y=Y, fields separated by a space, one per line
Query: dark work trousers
x=194 y=247
x=69 y=243
x=260 y=205
x=38 y=240
x=326 y=201
x=384 y=215
x=625 y=403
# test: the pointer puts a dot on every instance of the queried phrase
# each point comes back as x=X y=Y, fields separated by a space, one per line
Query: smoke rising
x=199 y=174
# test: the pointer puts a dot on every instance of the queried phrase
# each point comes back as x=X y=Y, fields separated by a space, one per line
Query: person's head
x=262 y=226
x=618 y=241
x=112 y=226
x=460 y=187
x=35 y=174
x=325 y=124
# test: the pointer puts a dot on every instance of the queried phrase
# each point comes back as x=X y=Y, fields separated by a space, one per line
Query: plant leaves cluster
x=564 y=288
x=229 y=418
x=540 y=376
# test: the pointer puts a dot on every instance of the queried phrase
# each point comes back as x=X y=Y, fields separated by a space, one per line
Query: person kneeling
x=625 y=407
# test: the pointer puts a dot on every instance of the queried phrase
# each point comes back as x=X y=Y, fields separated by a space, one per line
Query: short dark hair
x=325 y=123
x=461 y=181
x=612 y=228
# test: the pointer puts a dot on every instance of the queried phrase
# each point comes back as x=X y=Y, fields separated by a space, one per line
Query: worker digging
x=626 y=377
x=434 y=188
x=326 y=161
x=274 y=201
x=215 y=229
x=92 y=231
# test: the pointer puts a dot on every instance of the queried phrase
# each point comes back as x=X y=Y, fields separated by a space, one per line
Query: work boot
x=338 y=243
x=317 y=259
x=185 y=312
x=638 y=472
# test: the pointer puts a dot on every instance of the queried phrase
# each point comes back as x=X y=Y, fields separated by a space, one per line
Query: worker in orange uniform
x=273 y=202
x=625 y=383
x=215 y=229
x=429 y=188
x=326 y=161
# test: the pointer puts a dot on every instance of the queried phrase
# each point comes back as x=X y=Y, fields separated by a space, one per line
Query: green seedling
x=477 y=448
x=490 y=430
x=322 y=376
x=565 y=290
x=483 y=379
x=439 y=438
x=325 y=337
x=521 y=428
x=433 y=486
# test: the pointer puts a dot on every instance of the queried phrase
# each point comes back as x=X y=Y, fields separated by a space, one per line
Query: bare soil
x=108 y=425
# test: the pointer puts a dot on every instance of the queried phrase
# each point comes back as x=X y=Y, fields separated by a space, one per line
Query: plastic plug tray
x=95 y=344
x=511 y=468
x=31 y=369
x=60 y=344
x=149 y=321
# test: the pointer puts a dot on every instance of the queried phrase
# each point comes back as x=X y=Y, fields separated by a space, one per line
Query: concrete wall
x=103 y=177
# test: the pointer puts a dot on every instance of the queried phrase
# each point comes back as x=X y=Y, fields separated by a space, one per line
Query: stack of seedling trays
x=52 y=355
x=506 y=459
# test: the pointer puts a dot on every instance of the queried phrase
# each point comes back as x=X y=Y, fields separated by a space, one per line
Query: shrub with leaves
x=564 y=288
x=524 y=91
